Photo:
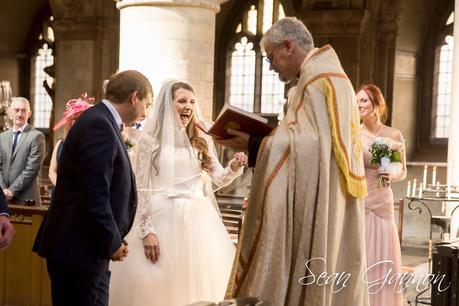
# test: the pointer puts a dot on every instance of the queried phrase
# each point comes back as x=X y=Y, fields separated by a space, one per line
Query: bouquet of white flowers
x=386 y=153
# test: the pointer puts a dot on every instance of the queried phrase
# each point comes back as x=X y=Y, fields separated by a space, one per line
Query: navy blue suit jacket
x=3 y=205
x=95 y=197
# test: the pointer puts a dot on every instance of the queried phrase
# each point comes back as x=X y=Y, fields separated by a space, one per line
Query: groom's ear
x=133 y=97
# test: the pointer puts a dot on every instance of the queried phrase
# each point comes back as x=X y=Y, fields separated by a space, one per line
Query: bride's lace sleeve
x=141 y=158
x=222 y=176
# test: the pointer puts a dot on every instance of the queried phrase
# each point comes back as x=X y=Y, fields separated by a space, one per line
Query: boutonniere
x=128 y=144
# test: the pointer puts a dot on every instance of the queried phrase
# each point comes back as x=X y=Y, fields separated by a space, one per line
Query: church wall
x=413 y=25
x=16 y=17
x=342 y=29
x=404 y=106
x=74 y=78
x=87 y=35
x=225 y=13
x=16 y=21
x=10 y=72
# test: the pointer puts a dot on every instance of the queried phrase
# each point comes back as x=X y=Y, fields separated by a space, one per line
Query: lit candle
x=424 y=178
x=413 y=194
x=420 y=191
x=408 y=189
x=434 y=175
x=438 y=188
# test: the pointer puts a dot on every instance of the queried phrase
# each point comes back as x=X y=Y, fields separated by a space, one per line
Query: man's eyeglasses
x=269 y=57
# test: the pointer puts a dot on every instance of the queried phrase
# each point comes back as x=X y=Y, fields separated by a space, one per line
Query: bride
x=180 y=251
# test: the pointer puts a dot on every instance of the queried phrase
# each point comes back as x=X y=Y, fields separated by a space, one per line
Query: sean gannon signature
x=376 y=277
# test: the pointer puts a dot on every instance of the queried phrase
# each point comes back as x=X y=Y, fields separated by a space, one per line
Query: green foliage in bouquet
x=379 y=150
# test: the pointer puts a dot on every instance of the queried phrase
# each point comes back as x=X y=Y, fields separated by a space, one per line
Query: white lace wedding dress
x=196 y=251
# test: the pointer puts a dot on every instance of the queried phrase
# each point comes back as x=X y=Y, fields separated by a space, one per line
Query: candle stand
x=429 y=197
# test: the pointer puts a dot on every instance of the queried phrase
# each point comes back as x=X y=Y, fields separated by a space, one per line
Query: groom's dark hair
x=124 y=83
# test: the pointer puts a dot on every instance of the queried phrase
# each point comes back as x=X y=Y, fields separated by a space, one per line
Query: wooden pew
x=232 y=211
x=24 y=280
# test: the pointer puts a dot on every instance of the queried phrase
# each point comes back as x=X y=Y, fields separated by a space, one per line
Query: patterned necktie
x=15 y=140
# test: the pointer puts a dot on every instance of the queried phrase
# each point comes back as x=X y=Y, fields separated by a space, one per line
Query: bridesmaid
x=382 y=241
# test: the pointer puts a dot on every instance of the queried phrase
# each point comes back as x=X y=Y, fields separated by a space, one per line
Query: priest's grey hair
x=288 y=28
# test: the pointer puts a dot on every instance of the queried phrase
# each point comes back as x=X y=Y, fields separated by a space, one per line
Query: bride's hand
x=239 y=160
x=151 y=247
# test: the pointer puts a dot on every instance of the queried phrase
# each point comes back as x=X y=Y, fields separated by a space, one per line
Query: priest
x=302 y=241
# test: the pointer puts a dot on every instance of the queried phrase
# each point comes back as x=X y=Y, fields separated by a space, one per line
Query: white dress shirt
x=114 y=112
x=21 y=129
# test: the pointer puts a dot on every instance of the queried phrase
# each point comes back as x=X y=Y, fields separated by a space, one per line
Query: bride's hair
x=198 y=142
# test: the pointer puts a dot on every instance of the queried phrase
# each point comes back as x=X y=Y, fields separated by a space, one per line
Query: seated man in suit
x=6 y=229
x=22 y=150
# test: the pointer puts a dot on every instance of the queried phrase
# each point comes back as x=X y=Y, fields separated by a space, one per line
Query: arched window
x=242 y=75
x=443 y=69
x=249 y=83
x=41 y=81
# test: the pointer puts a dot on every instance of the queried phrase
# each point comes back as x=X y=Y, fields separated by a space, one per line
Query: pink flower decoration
x=73 y=107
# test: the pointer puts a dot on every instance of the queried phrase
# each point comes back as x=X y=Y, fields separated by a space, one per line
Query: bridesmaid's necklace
x=370 y=133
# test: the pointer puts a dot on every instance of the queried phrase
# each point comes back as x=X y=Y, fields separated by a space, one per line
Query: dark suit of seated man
x=95 y=197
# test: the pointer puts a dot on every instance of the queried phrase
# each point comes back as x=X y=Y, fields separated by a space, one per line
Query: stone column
x=86 y=36
x=453 y=140
x=170 y=39
x=384 y=56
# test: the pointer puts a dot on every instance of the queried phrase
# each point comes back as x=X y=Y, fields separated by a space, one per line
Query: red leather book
x=232 y=117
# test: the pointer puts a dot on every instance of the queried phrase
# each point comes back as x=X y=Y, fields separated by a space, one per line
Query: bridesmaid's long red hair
x=377 y=99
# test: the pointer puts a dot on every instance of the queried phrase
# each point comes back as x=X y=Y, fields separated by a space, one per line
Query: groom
x=95 y=199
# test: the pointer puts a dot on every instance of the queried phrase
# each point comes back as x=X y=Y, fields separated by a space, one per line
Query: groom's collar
x=114 y=112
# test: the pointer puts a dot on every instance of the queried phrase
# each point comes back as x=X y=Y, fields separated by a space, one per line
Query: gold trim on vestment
x=239 y=279
x=355 y=183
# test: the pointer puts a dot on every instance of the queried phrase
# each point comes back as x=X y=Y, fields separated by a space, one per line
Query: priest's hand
x=239 y=142
x=151 y=247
